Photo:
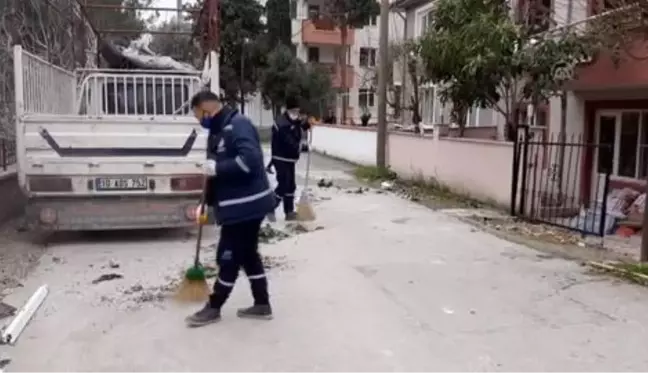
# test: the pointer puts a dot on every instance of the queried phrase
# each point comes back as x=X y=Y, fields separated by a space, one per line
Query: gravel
x=18 y=255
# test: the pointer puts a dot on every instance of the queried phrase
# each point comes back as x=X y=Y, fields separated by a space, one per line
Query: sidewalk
x=383 y=284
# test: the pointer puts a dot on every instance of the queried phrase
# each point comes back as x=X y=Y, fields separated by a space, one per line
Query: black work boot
x=291 y=216
x=261 y=312
x=205 y=316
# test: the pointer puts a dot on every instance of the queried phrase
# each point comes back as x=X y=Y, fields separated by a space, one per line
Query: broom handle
x=308 y=159
x=203 y=197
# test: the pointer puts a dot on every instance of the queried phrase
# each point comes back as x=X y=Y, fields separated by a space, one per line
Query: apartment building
x=418 y=16
x=318 y=41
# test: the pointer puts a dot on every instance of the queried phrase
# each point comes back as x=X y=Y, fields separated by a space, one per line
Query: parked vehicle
x=105 y=149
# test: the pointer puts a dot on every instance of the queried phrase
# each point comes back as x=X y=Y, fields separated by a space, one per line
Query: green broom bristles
x=196 y=273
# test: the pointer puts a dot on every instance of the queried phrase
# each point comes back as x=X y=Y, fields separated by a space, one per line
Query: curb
x=638 y=278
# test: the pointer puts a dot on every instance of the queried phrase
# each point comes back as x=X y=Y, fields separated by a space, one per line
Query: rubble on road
x=6 y=310
x=268 y=234
x=276 y=262
x=541 y=232
x=107 y=277
x=323 y=183
x=4 y=362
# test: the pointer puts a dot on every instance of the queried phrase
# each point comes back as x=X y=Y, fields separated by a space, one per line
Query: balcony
x=336 y=74
x=323 y=32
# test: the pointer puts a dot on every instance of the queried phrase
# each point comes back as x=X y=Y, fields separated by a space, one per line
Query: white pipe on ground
x=13 y=330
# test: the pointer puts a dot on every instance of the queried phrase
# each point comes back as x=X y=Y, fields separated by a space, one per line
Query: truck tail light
x=50 y=184
x=48 y=216
x=187 y=183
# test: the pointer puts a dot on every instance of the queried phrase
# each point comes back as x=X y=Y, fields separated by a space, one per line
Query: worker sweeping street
x=241 y=196
x=286 y=147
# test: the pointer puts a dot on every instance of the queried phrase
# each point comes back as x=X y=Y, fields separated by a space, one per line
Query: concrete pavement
x=384 y=285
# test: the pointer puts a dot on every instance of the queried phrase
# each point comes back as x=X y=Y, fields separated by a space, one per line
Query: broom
x=305 y=210
x=194 y=286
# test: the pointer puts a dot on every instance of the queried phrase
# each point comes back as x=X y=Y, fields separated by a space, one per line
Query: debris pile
x=268 y=234
x=107 y=277
x=275 y=262
x=323 y=183
x=539 y=232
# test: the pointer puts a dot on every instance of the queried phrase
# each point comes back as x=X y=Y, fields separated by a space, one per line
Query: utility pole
x=179 y=6
x=381 y=146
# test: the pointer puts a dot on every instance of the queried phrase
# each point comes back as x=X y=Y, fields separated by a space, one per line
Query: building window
x=472 y=118
x=313 y=54
x=366 y=97
x=601 y=6
x=427 y=20
x=313 y=12
x=427 y=105
x=535 y=14
x=397 y=93
x=368 y=57
x=623 y=139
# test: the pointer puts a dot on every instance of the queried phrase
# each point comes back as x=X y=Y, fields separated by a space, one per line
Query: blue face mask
x=205 y=122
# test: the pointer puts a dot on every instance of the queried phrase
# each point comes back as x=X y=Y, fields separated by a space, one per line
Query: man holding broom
x=239 y=191
x=287 y=134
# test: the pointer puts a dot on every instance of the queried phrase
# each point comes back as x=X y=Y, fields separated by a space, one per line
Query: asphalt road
x=379 y=284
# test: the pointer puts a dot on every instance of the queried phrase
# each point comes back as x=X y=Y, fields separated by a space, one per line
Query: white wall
x=575 y=115
x=353 y=145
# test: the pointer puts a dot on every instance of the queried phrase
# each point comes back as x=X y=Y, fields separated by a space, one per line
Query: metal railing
x=46 y=88
x=137 y=93
x=558 y=183
x=49 y=89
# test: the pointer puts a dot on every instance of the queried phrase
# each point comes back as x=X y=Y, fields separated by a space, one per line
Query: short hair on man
x=203 y=96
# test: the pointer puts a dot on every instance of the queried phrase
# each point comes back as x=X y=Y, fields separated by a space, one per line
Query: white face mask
x=293 y=116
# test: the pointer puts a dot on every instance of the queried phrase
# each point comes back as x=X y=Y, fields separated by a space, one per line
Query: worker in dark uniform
x=241 y=196
x=286 y=148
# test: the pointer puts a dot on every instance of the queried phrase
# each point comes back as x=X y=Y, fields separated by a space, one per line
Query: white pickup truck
x=106 y=149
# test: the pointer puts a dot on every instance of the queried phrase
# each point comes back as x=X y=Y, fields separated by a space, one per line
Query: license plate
x=121 y=183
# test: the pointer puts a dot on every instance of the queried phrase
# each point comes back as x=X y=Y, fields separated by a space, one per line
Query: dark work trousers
x=286 y=184
x=238 y=248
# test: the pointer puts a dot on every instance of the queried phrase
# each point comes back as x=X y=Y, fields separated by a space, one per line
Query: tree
x=175 y=45
x=55 y=30
x=479 y=56
x=316 y=90
x=279 y=30
x=243 y=46
x=116 y=15
x=620 y=24
x=349 y=14
x=405 y=56
x=285 y=76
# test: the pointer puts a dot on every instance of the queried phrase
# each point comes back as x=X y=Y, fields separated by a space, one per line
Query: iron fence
x=556 y=181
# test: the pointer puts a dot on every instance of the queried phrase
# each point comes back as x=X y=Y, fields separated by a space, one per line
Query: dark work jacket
x=240 y=191
x=286 y=139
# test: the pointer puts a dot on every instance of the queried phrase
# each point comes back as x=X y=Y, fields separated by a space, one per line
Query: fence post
x=525 y=167
x=514 y=172
x=606 y=188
